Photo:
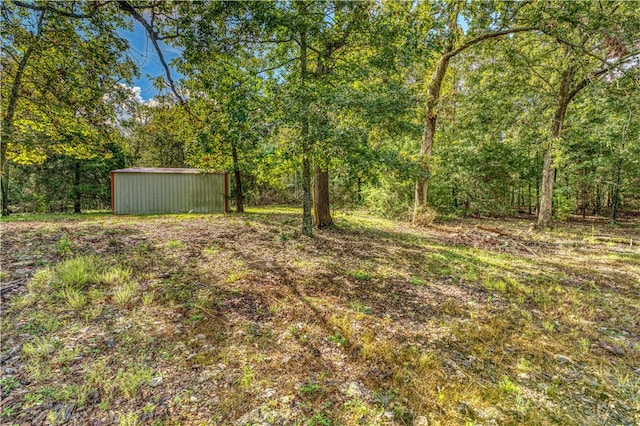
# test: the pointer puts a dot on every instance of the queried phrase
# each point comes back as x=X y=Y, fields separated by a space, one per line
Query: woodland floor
x=239 y=319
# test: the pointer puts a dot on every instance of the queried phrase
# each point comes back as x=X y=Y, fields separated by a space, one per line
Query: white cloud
x=136 y=91
x=133 y=94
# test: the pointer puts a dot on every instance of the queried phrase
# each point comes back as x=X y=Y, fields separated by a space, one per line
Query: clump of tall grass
x=78 y=272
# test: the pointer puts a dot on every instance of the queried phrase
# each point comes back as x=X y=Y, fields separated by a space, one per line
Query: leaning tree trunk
x=321 y=210
x=4 y=170
x=429 y=133
x=545 y=213
x=238 y=180
x=7 y=128
x=433 y=97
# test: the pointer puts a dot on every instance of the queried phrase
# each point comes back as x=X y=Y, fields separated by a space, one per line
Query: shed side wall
x=157 y=193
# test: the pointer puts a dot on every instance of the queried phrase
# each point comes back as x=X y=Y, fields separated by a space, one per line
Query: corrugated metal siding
x=156 y=193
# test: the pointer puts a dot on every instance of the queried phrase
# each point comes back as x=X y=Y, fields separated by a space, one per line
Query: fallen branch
x=505 y=234
x=615 y=240
x=527 y=249
x=494 y=230
x=210 y=313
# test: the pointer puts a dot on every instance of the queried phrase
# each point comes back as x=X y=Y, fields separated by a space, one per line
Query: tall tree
x=597 y=41
x=223 y=66
x=300 y=43
x=158 y=134
x=484 y=21
x=58 y=66
x=23 y=42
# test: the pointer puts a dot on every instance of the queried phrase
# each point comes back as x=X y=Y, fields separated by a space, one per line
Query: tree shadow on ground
x=252 y=284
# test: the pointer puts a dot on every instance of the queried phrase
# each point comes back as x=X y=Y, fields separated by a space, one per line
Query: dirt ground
x=240 y=319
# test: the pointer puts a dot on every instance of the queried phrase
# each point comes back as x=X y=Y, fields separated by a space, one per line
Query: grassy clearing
x=239 y=319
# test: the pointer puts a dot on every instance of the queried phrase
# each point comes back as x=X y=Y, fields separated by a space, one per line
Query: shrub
x=392 y=198
x=564 y=204
x=424 y=216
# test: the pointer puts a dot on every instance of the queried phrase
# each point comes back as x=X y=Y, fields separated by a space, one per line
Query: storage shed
x=163 y=190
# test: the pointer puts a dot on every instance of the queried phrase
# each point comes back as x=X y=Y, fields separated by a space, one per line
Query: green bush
x=564 y=203
x=391 y=198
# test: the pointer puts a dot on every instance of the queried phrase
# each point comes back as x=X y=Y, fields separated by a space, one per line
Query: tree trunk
x=77 y=195
x=454 y=195
x=433 y=98
x=548 y=172
x=7 y=127
x=307 y=202
x=431 y=117
x=521 y=201
x=529 y=194
x=4 y=177
x=616 y=188
x=238 y=180
x=321 y=210
x=546 y=195
x=429 y=132
x=537 y=185
x=466 y=205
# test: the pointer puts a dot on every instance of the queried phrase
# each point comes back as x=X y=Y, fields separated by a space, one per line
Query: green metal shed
x=164 y=190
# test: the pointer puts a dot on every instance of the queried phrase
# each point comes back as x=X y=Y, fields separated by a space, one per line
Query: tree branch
x=532 y=67
x=265 y=41
x=167 y=37
x=127 y=7
x=567 y=43
x=486 y=36
x=268 y=69
x=48 y=8
x=602 y=71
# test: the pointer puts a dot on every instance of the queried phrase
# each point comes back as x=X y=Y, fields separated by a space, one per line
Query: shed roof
x=161 y=170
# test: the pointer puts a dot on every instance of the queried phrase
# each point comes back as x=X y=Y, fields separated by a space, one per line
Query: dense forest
x=411 y=109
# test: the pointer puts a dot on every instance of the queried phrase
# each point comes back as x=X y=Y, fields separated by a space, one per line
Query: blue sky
x=144 y=55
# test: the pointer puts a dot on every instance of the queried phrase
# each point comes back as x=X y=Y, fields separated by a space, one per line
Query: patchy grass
x=48 y=217
x=239 y=319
